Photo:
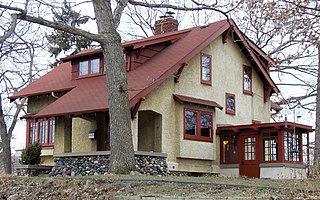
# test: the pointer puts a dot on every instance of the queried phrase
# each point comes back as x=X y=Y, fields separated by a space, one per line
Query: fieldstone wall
x=32 y=170
x=99 y=165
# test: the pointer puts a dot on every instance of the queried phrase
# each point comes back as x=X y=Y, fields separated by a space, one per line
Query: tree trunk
x=6 y=142
x=122 y=153
x=317 y=131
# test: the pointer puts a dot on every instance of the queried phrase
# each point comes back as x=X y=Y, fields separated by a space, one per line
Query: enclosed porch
x=268 y=150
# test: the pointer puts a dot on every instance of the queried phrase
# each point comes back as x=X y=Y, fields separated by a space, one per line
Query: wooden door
x=249 y=165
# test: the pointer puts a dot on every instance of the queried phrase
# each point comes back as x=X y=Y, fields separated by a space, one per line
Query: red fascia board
x=186 y=99
x=266 y=125
x=275 y=106
x=14 y=97
x=69 y=113
x=256 y=60
x=260 y=51
x=156 y=39
x=86 y=53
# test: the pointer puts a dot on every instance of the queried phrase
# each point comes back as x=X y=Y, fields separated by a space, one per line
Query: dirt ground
x=108 y=187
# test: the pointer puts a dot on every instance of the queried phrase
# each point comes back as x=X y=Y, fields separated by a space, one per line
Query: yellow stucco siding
x=37 y=103
x=227 y=66
x=62 y=137
x=80 y=129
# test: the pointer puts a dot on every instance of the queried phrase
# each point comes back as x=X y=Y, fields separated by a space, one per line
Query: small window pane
x=51 y=131
x=206 y=124
x=247 y=79
x=230 y=104
x=95 y=65
x=32 y=133
x=206 y=68
x=191 y=122
x=43 y=132
x=83 y=68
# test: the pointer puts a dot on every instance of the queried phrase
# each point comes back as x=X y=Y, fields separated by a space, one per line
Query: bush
x=31 y=154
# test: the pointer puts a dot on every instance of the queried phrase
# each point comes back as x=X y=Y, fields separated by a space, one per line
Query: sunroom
x=267 y=150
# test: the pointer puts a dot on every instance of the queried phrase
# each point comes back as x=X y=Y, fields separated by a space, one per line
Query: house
x=199 y=99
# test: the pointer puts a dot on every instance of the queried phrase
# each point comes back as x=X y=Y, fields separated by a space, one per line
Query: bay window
x=42 y=131
x=198 y=125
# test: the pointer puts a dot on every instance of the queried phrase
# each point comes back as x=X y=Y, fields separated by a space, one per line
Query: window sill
x=90 y=75
x=230 y=113
x=208 y=83
x=199 y=139
x=247 y=92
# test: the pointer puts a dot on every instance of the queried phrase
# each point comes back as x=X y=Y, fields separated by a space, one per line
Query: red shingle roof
x=90 y=95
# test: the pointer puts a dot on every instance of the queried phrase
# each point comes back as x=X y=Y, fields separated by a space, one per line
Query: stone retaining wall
x=32 y=170
x=87 y=165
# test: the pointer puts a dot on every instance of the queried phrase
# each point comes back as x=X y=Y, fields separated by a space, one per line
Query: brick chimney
x=166 y=24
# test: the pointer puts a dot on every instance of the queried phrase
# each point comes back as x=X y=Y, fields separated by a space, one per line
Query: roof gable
x=142 y=80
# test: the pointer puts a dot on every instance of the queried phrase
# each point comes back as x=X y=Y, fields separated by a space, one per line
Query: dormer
x=87 y=63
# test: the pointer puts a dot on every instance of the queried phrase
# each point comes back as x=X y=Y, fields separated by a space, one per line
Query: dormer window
x=89 y=67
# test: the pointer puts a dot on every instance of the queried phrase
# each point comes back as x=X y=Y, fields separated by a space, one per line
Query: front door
x=249 y=165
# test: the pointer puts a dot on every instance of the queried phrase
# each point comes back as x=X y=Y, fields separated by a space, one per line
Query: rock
x=14 y=197
x=73 y=173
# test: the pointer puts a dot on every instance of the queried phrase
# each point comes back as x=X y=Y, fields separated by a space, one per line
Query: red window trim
x=198 y=136
x=267 y=135
x=37 y=123
x=221 y=148
x=248 y=92
x=234 y=97
x=204 y=81
x=101 y=68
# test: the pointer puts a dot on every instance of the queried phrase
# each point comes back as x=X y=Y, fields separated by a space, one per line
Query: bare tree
x=108 y=15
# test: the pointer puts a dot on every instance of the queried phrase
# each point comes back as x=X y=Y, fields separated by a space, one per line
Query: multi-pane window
x=198 y=125
x=89 y=67
x=247 y=79
x=32 y=132
x=292 y=150
x=270 y=146
x=230 y=104
x=230 y=148
x=42 y=131
x=206 y=69
x=250 y=148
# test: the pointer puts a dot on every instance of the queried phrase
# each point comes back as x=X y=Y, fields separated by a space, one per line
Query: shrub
x=31 y=154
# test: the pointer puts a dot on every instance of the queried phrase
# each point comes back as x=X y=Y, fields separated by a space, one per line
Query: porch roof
x=185 y=99
x=264 y=126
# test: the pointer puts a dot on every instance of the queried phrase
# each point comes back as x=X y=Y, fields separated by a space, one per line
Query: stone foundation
x=32 y=170
x=97 y=163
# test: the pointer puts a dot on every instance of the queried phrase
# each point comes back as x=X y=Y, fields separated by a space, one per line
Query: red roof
x=185 y=99
x=276 y=125
x=90 y=95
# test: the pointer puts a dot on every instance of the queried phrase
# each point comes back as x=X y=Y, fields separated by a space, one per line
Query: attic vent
x=166 y=24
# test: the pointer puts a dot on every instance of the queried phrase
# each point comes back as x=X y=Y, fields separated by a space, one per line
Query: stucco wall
x=37 y=103
x=227 y=66
x=80 y=129
x=62 y=137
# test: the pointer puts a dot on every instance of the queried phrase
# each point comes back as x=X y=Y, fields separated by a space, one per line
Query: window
x=250 y=148
x=247 y=80
x=292 y=150
x=205 y=69
x=230 y=148
x=198 y=125
x=42 y=131
x=270 y=146
x=230 y=104
x=32 y=132
x=89 y=67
